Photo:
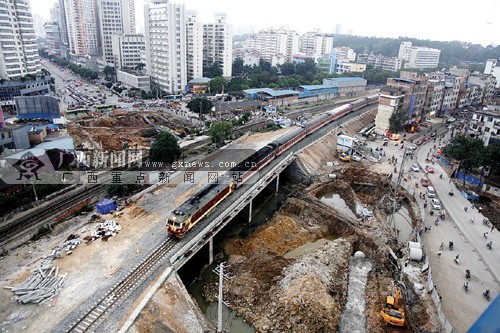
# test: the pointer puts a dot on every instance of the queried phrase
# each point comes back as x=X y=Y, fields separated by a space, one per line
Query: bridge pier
x=277 y=182
x=211 y=251
x=250 y=211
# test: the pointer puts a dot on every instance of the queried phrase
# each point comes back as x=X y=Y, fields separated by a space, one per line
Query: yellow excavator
x=393 y=313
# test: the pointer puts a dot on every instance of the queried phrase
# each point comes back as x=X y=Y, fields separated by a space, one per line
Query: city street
x=461 y=308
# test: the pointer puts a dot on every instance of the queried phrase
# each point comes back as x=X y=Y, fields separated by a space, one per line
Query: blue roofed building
x=271 y=96
x=317 y=90
x=347 y=86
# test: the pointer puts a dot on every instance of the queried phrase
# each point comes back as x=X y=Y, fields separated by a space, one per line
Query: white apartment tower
x=82 y=27
x=116 y=17
x=218 y=44
x=165 y=36
x=18 y=52
x=418 y=57
x=314 y=43
x=127 y=50
x=194 y=48
x=272 y=42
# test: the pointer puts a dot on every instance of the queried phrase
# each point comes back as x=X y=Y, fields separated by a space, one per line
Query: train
x=190 y=212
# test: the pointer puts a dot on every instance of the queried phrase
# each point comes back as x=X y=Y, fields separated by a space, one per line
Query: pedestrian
x=420 y=195
x=425 y=204
x=425 y=228
x=480 y=209
x=473 y=205
x=492 y=227
x=449 y=181
x=423 y=196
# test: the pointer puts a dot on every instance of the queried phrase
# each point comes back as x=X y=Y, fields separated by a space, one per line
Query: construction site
x=296 y=272
x=134 y=127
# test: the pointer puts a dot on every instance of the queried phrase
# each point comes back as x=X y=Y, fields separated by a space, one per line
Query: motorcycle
x=466 y=286
x=486 y=294
x=457 y=259
x=450 y=246
x=467 y=274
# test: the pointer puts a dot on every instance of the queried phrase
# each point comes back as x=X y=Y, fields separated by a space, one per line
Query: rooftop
x=272 y=92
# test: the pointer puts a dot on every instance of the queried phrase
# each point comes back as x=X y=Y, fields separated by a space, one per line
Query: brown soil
x=109 y=132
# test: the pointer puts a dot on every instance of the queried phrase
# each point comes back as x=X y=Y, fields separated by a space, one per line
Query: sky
x=444 y=20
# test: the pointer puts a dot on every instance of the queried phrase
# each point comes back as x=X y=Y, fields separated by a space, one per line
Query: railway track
x=38 y=216
x=120 y=290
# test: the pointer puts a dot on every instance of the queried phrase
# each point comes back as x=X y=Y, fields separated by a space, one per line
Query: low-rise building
x=346 y=67
x=390 y=100
x=11 y=89
x=347 y=86
x=493 y=67
x=393 y=64
x=317 y=90
x=15 y=137
x=272 y=96
x=138 y=81
x=485 y=124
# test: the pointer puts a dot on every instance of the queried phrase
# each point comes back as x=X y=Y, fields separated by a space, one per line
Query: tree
x=220 y=131
x=287 y=69
x=492 y=157
x=165 y=148
x=206 y=105
x=238 y=67
x=397 y=120
x=109 y=72
x=213 y=71
x=140 y=66
x=218 y=84
x=469 y=153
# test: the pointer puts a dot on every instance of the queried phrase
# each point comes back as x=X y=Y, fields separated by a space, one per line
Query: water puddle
x=308 y=246
x=402 y=222
x=334 y=200
x=353 y=318
x=231 y=322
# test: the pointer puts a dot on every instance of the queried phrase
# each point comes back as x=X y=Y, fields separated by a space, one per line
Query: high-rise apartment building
x=314 y=43
x=272 y=42
x=60 y=11
x=418 y=57
x=127 y=50
x=53 y=37
x=493 y=67
x=194 y=48
x=218 y=44
x=165 y=36
x=19 y=52
x=116 y=17
x=82 y=27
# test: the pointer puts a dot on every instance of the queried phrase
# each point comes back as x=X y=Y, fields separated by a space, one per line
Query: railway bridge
x=171 y=255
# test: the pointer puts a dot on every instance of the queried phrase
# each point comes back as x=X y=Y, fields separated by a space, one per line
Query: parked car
x=436 y=204
x=425 y=139
x=424 y=182
x=418 y=143
x=356 y=158
x=429 y=169
x=415 y=168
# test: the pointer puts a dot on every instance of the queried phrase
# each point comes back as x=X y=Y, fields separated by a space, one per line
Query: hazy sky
x=477 y=21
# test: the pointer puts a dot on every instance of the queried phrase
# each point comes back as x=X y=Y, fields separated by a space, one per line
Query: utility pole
x=395 y=195
x=219 y=270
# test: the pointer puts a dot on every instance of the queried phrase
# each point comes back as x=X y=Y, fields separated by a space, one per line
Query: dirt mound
x=301 y=295
x=264 y=239
x=137 y=212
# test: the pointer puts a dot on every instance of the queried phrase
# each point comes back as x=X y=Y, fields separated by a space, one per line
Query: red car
x=424 y=182
x=426 y=138
x=418 y=143
x=429 y=169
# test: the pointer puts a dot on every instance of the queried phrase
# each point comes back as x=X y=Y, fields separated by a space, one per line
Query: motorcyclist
x=490 y=244
x=451 y=192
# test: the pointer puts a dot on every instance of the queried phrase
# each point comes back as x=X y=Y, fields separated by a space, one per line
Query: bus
x=77 y=113
x=107 y=107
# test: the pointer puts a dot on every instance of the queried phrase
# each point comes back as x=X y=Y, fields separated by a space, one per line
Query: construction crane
x=393 y=313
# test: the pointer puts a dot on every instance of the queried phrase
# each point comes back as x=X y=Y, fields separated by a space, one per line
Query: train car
x=189 y=213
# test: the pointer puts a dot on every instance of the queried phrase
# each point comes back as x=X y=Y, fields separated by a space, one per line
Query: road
x=461 y=308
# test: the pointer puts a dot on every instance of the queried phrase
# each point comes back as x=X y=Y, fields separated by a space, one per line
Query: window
x=487 y=129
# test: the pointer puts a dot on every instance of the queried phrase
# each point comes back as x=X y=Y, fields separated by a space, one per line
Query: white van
x=431 y=193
